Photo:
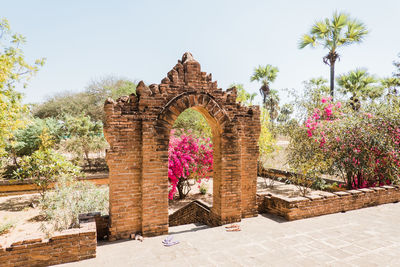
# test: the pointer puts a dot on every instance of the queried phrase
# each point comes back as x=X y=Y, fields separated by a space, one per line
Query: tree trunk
x=332 y=65
x=180 y=186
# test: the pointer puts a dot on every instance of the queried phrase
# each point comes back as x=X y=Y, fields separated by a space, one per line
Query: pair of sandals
x=233 y=228
x=167 y=242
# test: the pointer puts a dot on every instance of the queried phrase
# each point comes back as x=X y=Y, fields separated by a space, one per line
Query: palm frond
x=307 y=40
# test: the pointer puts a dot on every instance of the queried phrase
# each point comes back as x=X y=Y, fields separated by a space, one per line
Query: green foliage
x=27 y=140
x=266 y=75
x=310 y=97
x=361 y=147
x=391 y=84
x=90 y=102
x=203 y=188
x=314 y=90
x=62 y=206
x=266 y=141
x=14 y=70
x=332 y=33
x=194 y=121
x=340 y=30
x=45 y=166
x=243 y=96
x=304 y=155
x=84 y=137
x=284 y=115
x=361 y=85
x=5 y=227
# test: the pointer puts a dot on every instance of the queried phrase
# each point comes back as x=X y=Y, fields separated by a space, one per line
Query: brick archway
x=137 y=127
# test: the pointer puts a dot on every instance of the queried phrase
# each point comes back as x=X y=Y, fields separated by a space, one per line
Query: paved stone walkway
x=365 y=237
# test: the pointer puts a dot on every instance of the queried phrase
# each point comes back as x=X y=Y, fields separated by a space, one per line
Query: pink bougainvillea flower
x=369 y=115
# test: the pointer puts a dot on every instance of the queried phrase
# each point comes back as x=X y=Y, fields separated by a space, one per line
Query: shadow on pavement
x=275 y=218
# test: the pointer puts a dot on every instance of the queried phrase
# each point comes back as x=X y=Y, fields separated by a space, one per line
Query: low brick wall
x=328 y=203
x=194 y=212
x=67 y=246
x=16 y=187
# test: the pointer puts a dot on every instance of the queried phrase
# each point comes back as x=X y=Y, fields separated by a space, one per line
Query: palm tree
x=360 y=84
x=391 y=83
x=267 y=75
x=243 y=96
x=333 y=33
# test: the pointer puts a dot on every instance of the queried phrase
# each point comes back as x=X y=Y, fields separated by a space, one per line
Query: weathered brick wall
x=194 y=212
x=68 y=246
x=311 y=206
x=137 y=128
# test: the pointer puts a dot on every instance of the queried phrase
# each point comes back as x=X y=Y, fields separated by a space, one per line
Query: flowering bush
x=188 y=157
x=61 y=207
x=362 y=147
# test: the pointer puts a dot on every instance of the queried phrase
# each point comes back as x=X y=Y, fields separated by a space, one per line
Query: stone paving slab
x=365 y=237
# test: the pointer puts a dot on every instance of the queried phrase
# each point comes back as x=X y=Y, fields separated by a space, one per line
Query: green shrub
x=5 y=227
x=62 y=206
x=45 y=166
x=84 y=137
x=27 y=140
x=363 y=148
x=203 y=188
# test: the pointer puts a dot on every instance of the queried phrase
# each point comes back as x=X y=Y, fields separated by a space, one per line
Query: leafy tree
x=90 y=102
x=84 y=137
x=194 y=121
x=361 y=85
x=286 y=111
x=391 y=84
x=310 y=97
x=267 y=75
x=243 y=96
x=45 y=166
x=27 y=140
x=315 y=89
x=266 y=142
x=14 y=70
x=340 y=30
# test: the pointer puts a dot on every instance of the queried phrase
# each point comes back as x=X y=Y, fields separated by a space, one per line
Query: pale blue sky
x=142 y=40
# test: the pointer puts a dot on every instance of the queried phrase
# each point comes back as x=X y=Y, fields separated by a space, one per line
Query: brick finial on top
x=138 y=128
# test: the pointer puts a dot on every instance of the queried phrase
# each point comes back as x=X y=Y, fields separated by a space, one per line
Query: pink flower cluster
x=188 y=155
x=329 y=112
x=363 y=146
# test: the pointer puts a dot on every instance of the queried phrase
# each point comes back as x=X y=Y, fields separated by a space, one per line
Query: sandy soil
x=26 y=220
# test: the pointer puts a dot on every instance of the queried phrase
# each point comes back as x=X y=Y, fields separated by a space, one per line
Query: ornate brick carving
x=137 y=128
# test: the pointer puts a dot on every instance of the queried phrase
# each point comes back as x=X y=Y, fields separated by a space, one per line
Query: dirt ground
x=194 y=194
x=26 y=219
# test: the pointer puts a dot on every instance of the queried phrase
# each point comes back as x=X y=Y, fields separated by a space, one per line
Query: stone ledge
x=311 y=206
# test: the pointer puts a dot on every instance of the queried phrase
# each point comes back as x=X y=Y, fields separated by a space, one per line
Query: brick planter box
x=67 y=246
x=328 y=203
